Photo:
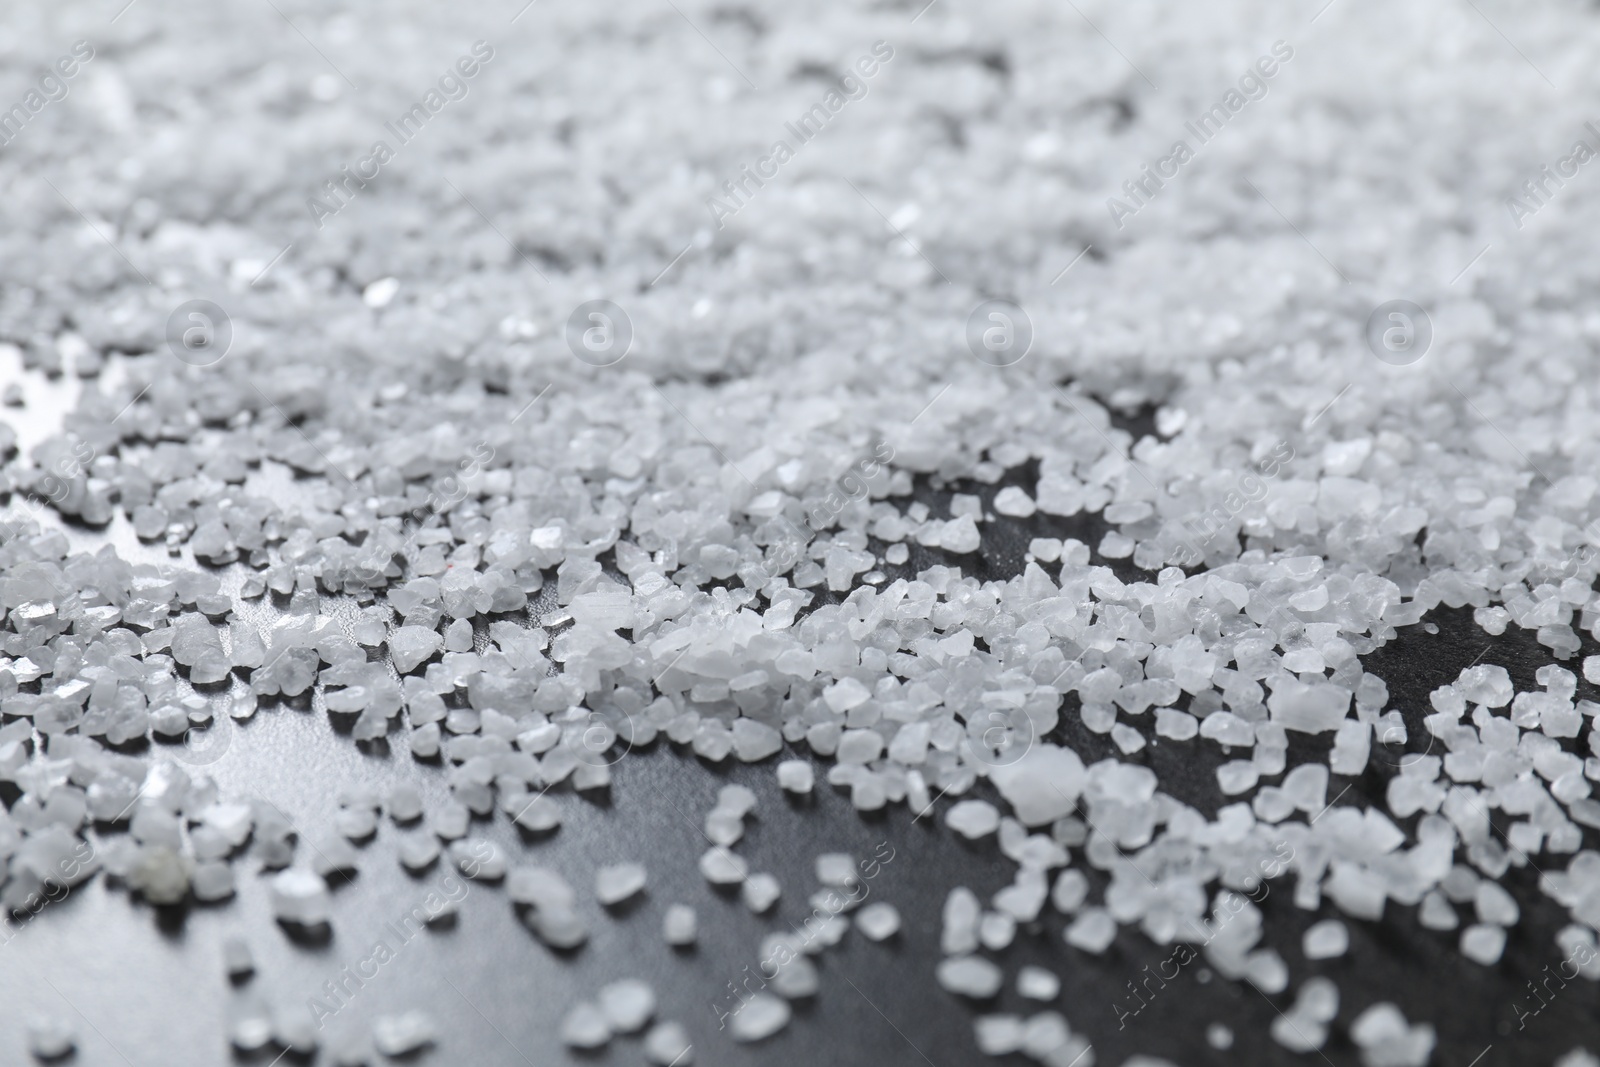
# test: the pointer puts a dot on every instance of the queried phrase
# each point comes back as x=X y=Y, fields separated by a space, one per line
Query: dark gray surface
x=146 y=985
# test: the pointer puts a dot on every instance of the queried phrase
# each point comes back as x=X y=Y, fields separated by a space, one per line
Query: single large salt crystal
x=1042 y=786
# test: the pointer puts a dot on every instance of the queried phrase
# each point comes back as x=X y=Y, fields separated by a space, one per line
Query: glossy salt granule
x=398 y=1035
x=1483 y=943
x=1387 y=1040
x=479 y=859
x=558 y=926
x=450 y=820
x=301 y=897
x=737 y=799
x=724 y=827
x=973 y=819
x=796 y=776
x=999 y=1035
x=722 y=867
x=1325 y=940
x=836 y=869
x=1578 y=1057
x=1036 y=983
x=1070 y=891
x=1219 y=1036
x=969 y=976
x=1494 y=905
x=878 y=921
x=404 y=804
x=667 y=1045
x=760 y=892
x=759 y=1017
x=679 y=925
x=51 y=1037
x=627 y=1005
x=618 y=882
x=540 y=887
x=419 y=853
x=585 y=1026
x=1092 y=931
x=996 y=930
x=237 y=959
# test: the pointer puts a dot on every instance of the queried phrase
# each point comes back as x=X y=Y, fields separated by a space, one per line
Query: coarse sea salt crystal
x=760 y=892
x=973 y=819
x=722 y=867
x=667 y=1045
x=1092 y=931
x=585 y=1026
x=836 y=869
x=627 y=1005
x=50 y=1037
x=1325 y=940
x=237 y=959
x=678 y=925
x=399 y=1035
x=796 y=776
x=615 y=883
x=1483 y=943
x=301 y=897
x=970 y=976
x=1036 y=983
x=878 y=921
x=759 y=1017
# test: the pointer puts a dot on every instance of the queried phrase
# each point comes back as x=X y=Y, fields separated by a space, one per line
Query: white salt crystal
x=404 y=804
x=721 y=867
x=212 y=881
x=1495 y=905
x=996 y=930
x=615 y=883
x=1219 y=1037
x=479 y=859
x=1176 y=725
x=1325 y=940
x=540 y=887
x=973 y=819
x=1092 y=931
x=300 y=896
x=559 y=927
x=760 y=1017
x=1014 y=502
x=1237 y=776
x=451 y=820
x=409 y=646
x=1483 y=943
x=627 y=1005
x=878 y=921
x=585 y=1026
x=1436 y=913
x=667 y=1045
x=998 y=1035
x=796 y=776
x=960 y=917
x=678 y=925
x=970 y=976
x=1070 y=891
x=419 y=853
x=836 y=869
x=51 y=1037
x=1036 y=983
x=398 y=1035
x=237 y=958
x=1042 y=786
x=760 y=892
x=1127 y=738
